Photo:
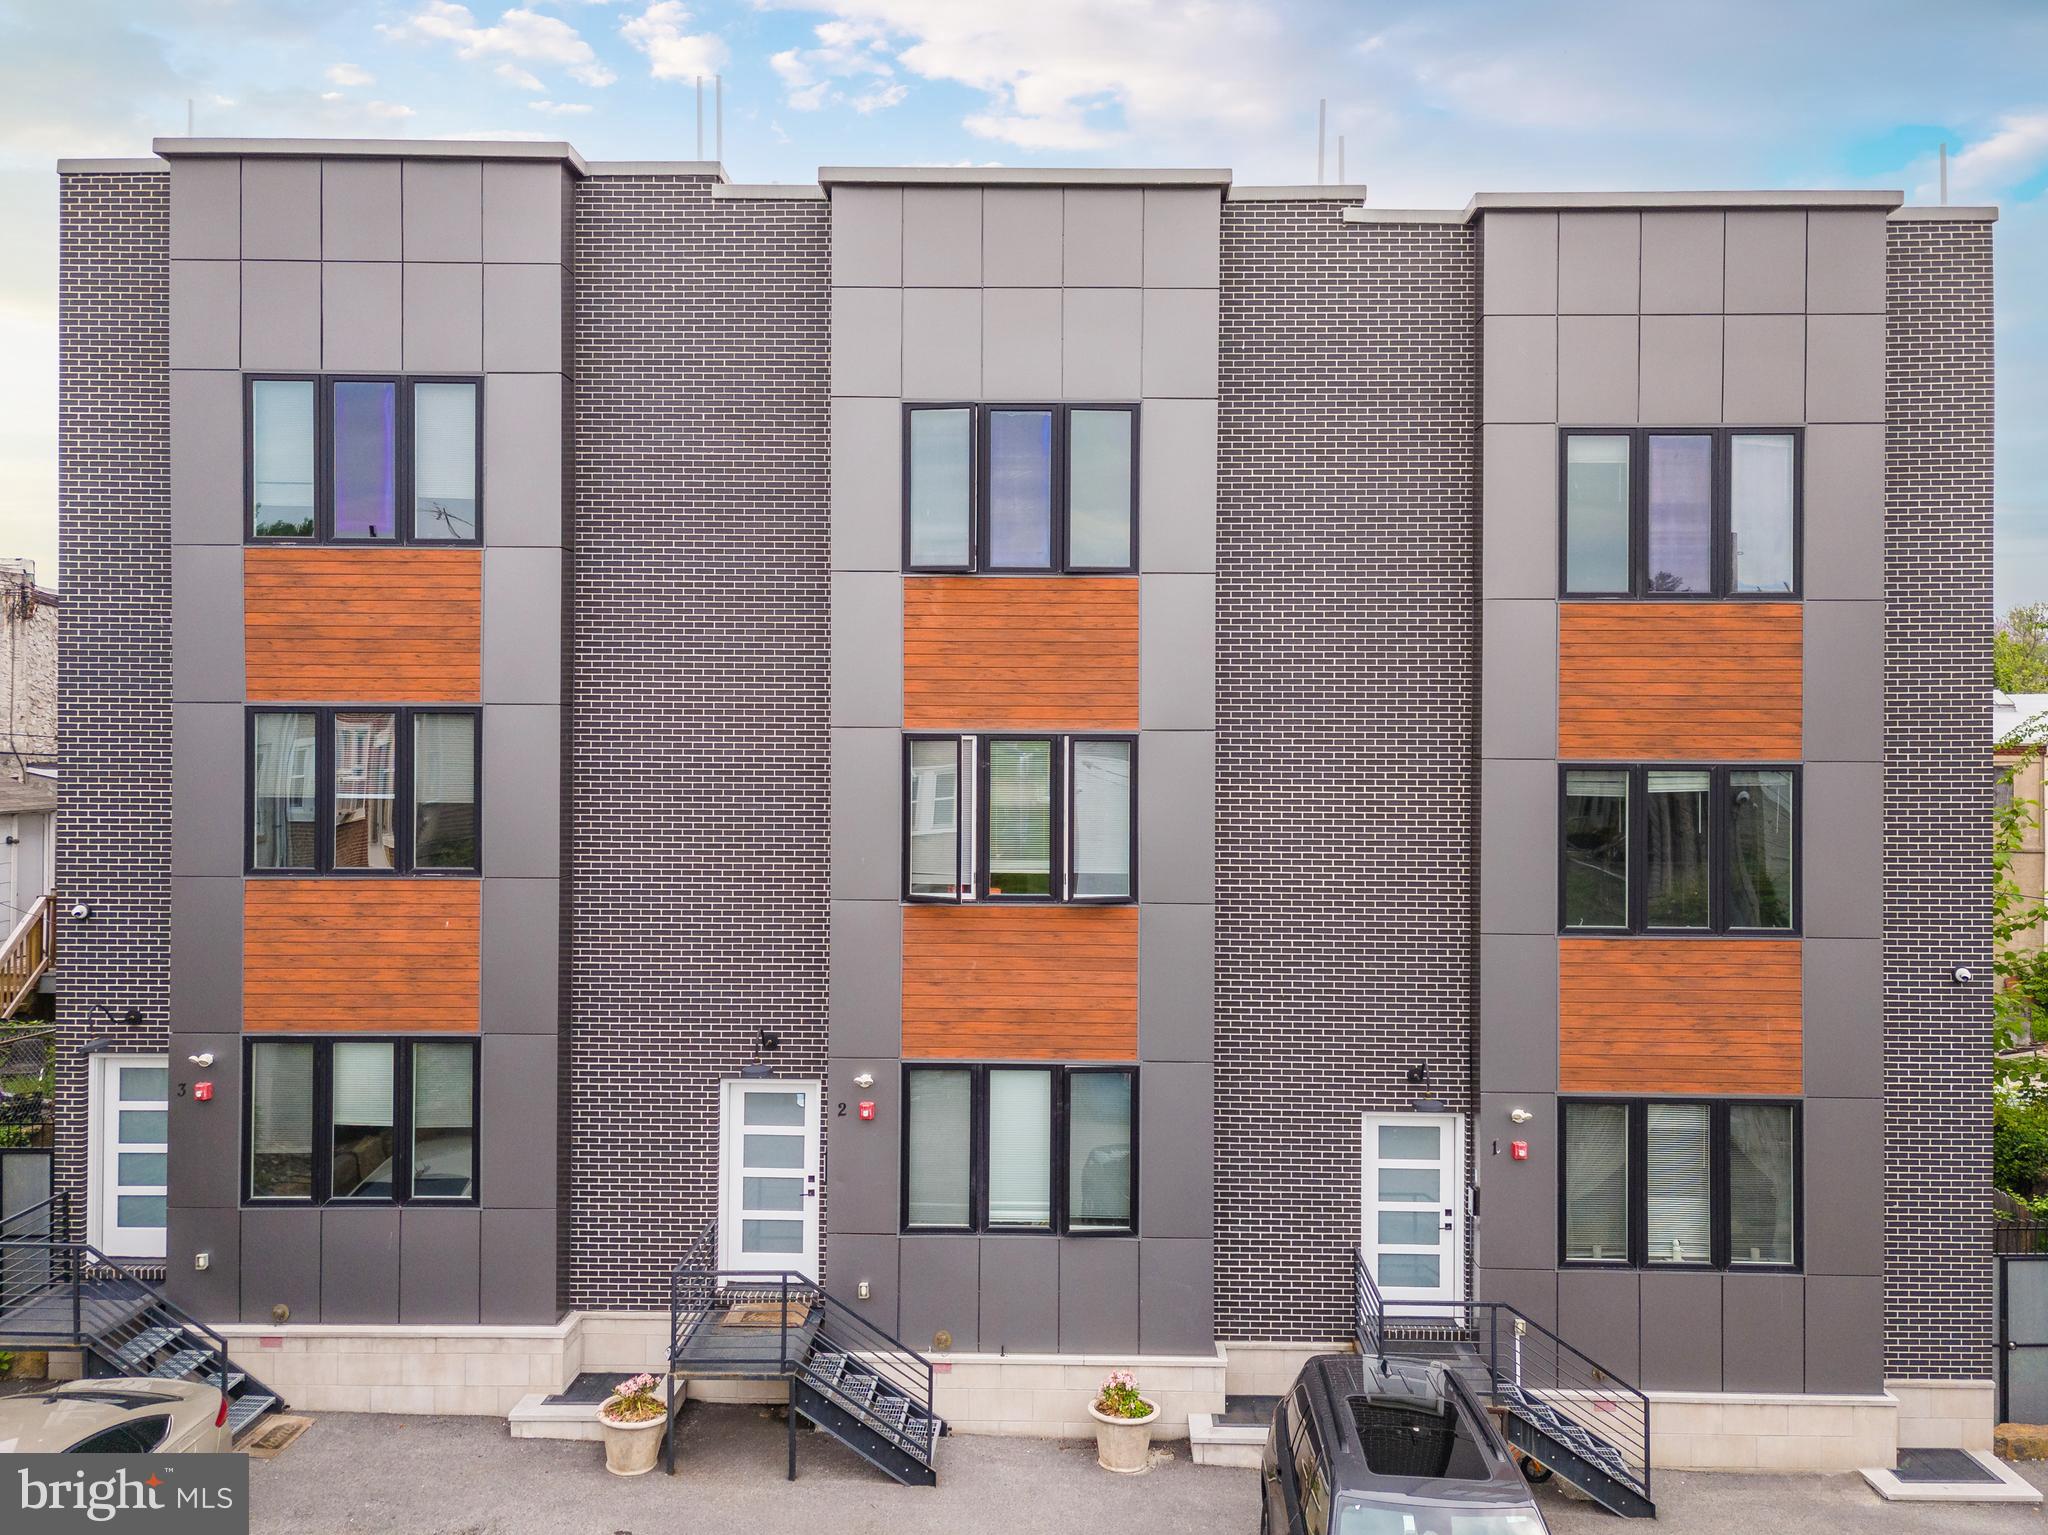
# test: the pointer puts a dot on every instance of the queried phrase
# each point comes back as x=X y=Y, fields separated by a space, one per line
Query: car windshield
x=1358 y=1516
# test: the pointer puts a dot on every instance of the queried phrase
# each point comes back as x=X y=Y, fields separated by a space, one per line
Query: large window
x=1020 y=818
x=1020 y=1148
x=1020 y=487
x=1680 y=1184
x=364 y=460
x=363 y=791
x=378 y=1121
x=1680 y=512
x=1678 y=850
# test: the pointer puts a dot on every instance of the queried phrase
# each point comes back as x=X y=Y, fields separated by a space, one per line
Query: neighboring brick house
x=1066 y=754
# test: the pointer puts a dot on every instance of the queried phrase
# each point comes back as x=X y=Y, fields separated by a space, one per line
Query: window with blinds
x=1596 y=1183
x=938 y=1149
x=1692 y=1184
x=1678 y=1172
x=1020 y=1148
x=365 y=1122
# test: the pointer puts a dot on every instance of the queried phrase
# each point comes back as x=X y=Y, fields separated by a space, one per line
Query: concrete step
x=1225 y=1444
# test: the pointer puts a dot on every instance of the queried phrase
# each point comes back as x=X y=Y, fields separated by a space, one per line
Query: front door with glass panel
x=131 y=1128
x=1414 y=1196
x=768 y=1205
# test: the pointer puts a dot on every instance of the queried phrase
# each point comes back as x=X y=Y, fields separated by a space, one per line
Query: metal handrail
x=58 y=1204
x=74 y=1260
x=694 y=1284
x=1521 y=1352
x=1368 y=1314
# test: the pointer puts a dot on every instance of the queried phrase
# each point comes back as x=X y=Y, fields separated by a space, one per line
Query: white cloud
x=1067 y=74
x=560 y=108
x=349 y=74
x=519 y=34
x=847 y=50
x=388 y=111
x=672 y=53
x=2015 y=151
x=525 y=79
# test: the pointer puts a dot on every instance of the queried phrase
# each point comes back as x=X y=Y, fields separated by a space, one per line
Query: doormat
x=765 y=1314
x=1941 y=1466
x=277 y=1436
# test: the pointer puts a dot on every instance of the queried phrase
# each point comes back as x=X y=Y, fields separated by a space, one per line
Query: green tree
x=2019 y=1121
x=2019 y=650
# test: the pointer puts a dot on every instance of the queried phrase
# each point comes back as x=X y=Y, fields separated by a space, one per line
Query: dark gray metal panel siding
x=114 y=660
x=1937 y=801
x=1347 y=628
x=700 y=651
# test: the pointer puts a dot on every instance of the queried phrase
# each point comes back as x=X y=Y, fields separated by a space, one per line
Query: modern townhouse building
x=1117 y=768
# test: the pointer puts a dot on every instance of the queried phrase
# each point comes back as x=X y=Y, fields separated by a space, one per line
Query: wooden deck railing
x=30 y=949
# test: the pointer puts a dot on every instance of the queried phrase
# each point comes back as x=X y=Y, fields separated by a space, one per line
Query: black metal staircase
x=868 y=1390
x=59 y=1293
x=1554 y=1404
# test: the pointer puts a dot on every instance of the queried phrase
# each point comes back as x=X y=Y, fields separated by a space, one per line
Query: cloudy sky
x=1435 y=100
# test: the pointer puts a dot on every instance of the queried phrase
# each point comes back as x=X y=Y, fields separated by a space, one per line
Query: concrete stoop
x=1225 y=1444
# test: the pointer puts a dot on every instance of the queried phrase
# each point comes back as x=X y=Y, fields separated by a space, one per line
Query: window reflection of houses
x=365 y=791
x=934 y=814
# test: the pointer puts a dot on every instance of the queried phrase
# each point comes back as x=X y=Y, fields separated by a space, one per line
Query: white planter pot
x=631 y=1449
x=1123 y=1445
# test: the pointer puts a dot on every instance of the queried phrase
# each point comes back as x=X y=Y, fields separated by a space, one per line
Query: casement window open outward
x=1020 y=818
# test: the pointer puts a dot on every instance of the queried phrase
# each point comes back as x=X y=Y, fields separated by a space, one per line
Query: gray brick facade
x=1937 y=801
x=114 y=651
x=1346 y=655
x=700 y=644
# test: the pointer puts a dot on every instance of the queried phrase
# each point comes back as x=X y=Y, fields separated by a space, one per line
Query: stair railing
x=27 y=953
x=1368 y=1315
x=27 y=1261
x=55 y=1266
x=696 y=1286
x=1524 y=1356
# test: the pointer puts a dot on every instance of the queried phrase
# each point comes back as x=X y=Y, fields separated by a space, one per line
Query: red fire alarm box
x=203 y=1091
x=1518 y=1151
x=867 y=1109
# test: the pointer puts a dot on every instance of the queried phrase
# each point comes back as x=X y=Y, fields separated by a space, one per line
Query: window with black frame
x=364 y=791
x=1020 y=1148
x=1020 y=818
x=377 y=1121
x=354 y=460
x=1679 y=512
x=1680 y=1183
x=1020 y=488
x=1678 y=849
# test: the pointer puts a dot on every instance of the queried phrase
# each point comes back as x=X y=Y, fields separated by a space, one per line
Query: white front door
x=1414 y=1201
x=130 y=1146
x=768 y=1199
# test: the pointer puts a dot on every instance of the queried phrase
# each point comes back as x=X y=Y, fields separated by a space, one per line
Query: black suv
x=1388 y=1447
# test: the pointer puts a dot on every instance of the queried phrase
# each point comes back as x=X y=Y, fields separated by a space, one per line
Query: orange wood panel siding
x=369 y=625
x=1710 y=680
x=1000 y=653
x=1039 y=983
x=363 y=955
x=1679 y=1015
